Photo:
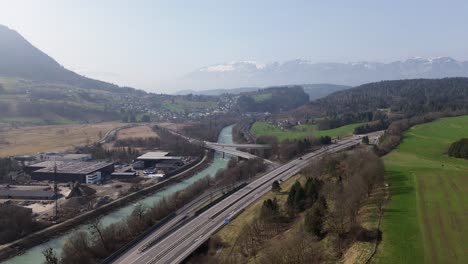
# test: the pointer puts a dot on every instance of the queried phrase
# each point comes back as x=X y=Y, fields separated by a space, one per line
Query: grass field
x=262 y=97
x=136 y=132
x=300 y=131
x=427 y=218
x=31 y=140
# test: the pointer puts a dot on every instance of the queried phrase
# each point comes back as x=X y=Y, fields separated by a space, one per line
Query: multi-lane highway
x=180 y=243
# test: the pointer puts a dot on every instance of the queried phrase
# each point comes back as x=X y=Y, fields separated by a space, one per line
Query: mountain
x=20 y=59
x=35 y=89
x=250 y=73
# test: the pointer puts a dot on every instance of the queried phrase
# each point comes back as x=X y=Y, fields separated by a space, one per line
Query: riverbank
x=10 y=250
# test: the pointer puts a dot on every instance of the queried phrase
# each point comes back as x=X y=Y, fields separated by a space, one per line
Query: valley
x=234 y=132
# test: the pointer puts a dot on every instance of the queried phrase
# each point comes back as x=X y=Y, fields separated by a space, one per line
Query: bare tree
x=96 y=231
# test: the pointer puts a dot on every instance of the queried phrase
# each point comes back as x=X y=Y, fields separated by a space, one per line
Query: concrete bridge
x=241 y=146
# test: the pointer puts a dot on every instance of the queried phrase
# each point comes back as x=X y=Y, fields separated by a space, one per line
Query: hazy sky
x=148 y=44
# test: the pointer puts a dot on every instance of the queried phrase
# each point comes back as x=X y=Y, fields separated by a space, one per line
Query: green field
x=262 y=97
x=427 y=217
x=300 y=131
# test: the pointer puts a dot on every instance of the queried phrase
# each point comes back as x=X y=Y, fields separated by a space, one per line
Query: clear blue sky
x=147 y=44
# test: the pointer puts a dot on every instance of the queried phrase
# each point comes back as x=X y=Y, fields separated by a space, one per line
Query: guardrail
x=139 y=238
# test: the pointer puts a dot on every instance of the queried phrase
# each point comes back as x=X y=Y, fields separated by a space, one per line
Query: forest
x=273 y=100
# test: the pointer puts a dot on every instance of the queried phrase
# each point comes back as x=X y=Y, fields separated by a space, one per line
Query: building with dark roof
x=151 y=159
x=69 y=171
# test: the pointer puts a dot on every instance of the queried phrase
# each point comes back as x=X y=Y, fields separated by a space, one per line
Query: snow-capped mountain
x=251 y=73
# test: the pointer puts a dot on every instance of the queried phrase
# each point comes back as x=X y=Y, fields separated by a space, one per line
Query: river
x=34 y=254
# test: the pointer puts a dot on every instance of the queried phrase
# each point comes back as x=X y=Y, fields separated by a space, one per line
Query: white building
x=93 y=178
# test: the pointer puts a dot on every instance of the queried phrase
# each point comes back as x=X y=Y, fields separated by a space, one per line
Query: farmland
x=425 y=220
x=136 y=132
x=31 y=140
x=300 y=131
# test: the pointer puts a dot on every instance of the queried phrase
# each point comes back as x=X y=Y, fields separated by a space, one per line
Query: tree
x=132 y=119
x=50 y=256
x=270 y=210
x=313 y=221
x=146 y=119
x=2 y=88
x=365 y=140
x=296 y=197
x=275 y=187
x=325 y=140
x=312 y=188
x=96 y=231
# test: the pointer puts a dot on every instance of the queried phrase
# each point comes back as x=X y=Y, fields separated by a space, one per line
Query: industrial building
x=124 y=175
x=160 y=159
x=83 y=172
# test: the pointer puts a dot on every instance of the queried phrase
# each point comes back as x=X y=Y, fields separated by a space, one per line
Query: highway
x=180 y=243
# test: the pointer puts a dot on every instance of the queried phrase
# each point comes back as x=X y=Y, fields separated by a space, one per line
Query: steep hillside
x=21 y=59
x=403 y=97
x=35 y=89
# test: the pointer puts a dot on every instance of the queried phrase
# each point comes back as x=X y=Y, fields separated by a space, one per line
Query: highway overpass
x=242 y=146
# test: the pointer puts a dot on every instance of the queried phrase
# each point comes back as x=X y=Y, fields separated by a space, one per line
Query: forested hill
x=410 y=97
x=273 y=99
x=20 y=59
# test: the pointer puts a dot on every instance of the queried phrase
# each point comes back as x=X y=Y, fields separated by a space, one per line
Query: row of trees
x=131 y=118
x=239 y=172
x=209 y=128
x=289 y=149
x=121 y=154
x=7 y=166
x=166 y=140
x=394 y=133
x=16 y=222
x=372 y=126
x=100 y=241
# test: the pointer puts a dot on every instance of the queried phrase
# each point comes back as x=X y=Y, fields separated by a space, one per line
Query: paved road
x=179 y=244
x=228 y=148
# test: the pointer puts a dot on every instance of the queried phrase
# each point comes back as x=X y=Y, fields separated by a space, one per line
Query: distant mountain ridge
x=19 y=58
x=315 y=91
x=251 y=73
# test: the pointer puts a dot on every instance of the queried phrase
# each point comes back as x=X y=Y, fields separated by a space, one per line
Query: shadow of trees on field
x=399 y=183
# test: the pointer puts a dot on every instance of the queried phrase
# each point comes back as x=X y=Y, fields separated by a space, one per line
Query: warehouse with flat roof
x=69 y=171
x=153 y=159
